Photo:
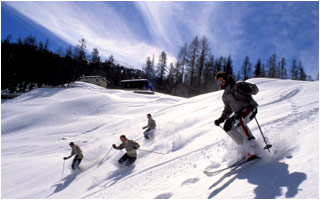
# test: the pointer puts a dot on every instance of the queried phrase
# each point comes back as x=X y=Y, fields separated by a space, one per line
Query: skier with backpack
x=237 y=99
x=131 y=147
x=78 y=155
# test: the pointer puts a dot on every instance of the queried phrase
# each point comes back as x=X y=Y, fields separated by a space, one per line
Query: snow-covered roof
x=93 y=77
x=133 y=80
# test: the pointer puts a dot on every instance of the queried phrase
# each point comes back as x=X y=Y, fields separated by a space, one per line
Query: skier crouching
x=238 y=101
x=78 y=155
x=130 y=146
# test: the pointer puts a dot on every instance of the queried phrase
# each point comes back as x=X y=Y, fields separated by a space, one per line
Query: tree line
x=196 y=66
x=27 y=64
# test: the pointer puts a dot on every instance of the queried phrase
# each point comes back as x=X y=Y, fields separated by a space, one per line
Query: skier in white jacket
x=78 y=155
x=130 y=146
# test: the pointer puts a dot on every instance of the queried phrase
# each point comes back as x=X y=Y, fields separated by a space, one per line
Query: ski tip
x=208 y=173
x=254 y=157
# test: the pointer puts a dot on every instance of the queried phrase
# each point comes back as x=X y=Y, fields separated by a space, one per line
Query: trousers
x=148 y=133
x=236 y=126
x=76 y=162
x=126 y=159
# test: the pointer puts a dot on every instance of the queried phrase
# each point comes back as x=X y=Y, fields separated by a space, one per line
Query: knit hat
x=222 y=74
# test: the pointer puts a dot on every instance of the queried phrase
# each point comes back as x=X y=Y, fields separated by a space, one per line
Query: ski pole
x=268 y=146
x=151 y=151
x=104 y=157
x=63 y=168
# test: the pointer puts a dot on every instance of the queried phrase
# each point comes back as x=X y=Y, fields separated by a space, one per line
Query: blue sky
x=131 y=31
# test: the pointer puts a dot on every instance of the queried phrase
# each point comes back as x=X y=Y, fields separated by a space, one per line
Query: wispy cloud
x=98 y=23
x=131 y=31
x=171 y=24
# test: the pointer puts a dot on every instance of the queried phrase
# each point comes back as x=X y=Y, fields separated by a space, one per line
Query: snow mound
x=38 y=126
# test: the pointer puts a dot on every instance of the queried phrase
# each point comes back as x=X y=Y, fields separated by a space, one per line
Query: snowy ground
x=38 y=126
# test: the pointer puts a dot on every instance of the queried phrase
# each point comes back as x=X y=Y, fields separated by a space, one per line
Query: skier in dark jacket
x=130 y=146
x=238 y=101
x=78 y=155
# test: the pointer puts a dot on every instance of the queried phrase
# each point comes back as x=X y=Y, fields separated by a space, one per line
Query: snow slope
x=38 y=126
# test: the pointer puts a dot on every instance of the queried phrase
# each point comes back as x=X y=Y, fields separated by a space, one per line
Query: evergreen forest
x=28 y=64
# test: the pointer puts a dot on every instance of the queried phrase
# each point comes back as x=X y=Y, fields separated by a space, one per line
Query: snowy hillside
x=38 y=126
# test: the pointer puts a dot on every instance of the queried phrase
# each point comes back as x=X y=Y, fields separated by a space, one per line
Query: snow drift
x=38 y=126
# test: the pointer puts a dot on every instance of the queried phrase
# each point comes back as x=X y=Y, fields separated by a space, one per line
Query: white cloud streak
x=170 y=25
x=166 y=26
x=100 y=26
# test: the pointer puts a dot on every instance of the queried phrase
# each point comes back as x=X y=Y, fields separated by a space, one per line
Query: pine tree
x=257 y=69
x=30 y=41
x=203 y=57
x=40 y=46
x=272 y=68
x=7 y=39
x=181 y=63
x=111 y=59
x=95 y=58
x=246 y=68
x=171 y=82
x=46 y=45
x=192 y=57
x=302 y=75
x=282 y=69
x=209 y=75
x=219 y=64
x=162 y=68
x=263 y=71
x=229 y=67
x=294 y=70
x=148 y=68
x=80 y=51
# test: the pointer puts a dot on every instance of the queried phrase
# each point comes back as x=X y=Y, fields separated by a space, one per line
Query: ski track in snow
x=37 y=127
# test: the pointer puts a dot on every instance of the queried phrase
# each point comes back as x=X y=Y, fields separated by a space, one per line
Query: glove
x=218 y=121
x=135 y=148
x=64 y=158
x=114 y=146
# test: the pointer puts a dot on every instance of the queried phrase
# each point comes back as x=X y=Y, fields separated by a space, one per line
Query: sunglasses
x=221 y=82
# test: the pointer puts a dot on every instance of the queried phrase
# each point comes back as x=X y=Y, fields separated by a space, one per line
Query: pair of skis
x=243 y=160
x=233 y=166
x=268 y=145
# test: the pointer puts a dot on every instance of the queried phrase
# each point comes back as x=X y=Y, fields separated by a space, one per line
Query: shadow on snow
x=268 y=177
x=112 y=179
x=66 y=182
